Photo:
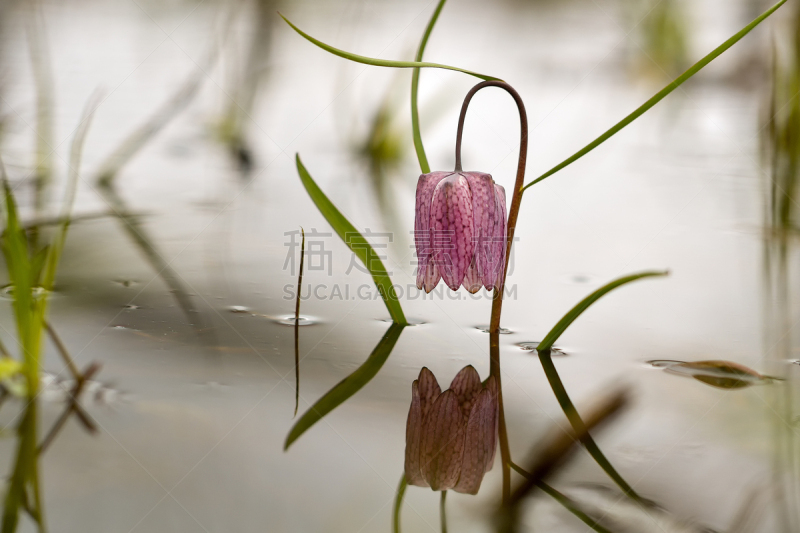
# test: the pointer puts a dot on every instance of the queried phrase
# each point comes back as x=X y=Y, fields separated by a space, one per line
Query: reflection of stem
x=137 y=233
x=497 y=301
x=578 y=425
x=398 y=502
x=62 y=349
x=73 y=406
x=442 y=512
x=565 y=501
x=297 y=326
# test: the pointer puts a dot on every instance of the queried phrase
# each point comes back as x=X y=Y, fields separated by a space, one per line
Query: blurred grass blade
x=420 y=149
x=694 y=69
x=157 y=121
x=584 y=304
x=381 y=62
x=398 y=500
x=348 y=386
x=76 y=151
x=356 y=242
x=297 y=325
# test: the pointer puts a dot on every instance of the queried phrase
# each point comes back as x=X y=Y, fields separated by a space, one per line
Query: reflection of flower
x=460 y=230
x=451 y=436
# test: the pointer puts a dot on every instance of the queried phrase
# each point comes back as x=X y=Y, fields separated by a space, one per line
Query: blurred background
x=181 y=264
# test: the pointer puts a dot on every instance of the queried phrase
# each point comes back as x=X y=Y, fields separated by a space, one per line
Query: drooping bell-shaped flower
x=460 y=230
x=451 y=436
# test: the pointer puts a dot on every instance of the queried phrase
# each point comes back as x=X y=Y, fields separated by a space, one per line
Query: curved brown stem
x=497 y=301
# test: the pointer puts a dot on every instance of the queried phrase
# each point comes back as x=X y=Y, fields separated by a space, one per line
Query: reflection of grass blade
x=348 y=386
x=297 y=325
x=114 y=163
x=555 y=450
x=136 y=232
x=560 y=391
x=575 y=312
x=694 y=69
x=423 y=159
x=398 y=504
x=381 y=62
x=356 y=242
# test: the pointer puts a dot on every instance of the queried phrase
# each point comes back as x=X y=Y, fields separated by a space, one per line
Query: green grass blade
x=348 y=386
x=584 y=304
x=356 y=242
x=694 y=69
x=381 y=62
x=420 y=149
x=76 y=152
x=398 y=504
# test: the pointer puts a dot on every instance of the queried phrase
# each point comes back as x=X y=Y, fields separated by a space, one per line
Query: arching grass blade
x=584 y=304
x=694 y=69
x=420 y=149
x=356 y=242
x=381 y=62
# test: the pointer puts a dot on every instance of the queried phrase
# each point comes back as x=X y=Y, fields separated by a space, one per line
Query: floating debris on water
x=716 y=373
x=530 y=346
x=485 y=329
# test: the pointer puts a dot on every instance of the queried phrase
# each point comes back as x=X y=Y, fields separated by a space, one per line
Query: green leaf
x=584 y=304
x=356 y=242
x=694 y=69
x=348 y=386
x=381 y=62
x=420 y=149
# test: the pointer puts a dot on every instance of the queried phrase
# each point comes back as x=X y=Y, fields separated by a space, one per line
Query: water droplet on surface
x=288 y=320
x=238 y=309
x=485 y=329
x=122 y=327
x=131 y=306
x=126 y=282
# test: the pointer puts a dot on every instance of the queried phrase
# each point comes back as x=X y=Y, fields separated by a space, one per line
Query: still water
x=191 y=434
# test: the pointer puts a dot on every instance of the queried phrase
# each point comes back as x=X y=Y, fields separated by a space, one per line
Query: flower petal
x=431 y=276
x=429 y=390
x=451 y=225
x=466 y=385
x=483 y=212
x=496 y=256
x=413 y=435
x=422 y=236
x=472 y=280
x=442 y=447
x=491 y=440
x=479 y=442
